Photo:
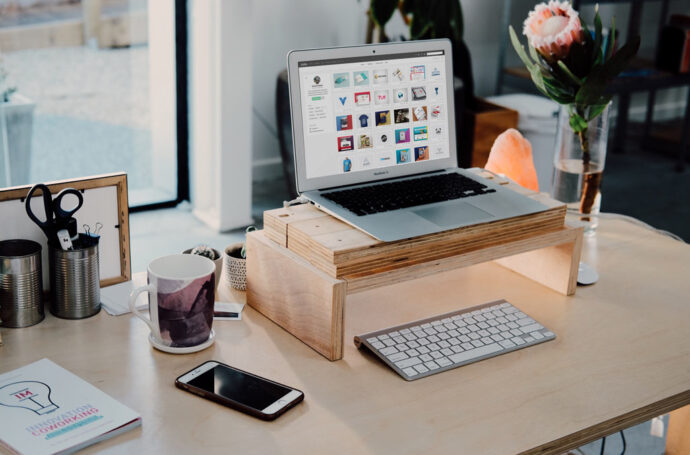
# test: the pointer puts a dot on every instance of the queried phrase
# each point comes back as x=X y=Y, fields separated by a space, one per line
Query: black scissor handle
x=47 y=204
x=61 y=214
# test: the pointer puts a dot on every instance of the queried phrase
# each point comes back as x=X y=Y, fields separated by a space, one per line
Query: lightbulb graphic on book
x=31 y=395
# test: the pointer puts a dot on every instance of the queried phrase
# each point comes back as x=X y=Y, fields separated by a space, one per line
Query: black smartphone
x=240 y=390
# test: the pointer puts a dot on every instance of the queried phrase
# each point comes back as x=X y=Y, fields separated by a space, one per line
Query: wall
x=282 y=25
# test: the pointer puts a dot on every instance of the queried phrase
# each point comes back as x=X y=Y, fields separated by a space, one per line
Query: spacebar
x=475 y=353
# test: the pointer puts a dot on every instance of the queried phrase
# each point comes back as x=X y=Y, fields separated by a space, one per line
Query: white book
x=45 y=409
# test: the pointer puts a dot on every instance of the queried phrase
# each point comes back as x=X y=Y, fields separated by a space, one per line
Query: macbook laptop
x=375 y=142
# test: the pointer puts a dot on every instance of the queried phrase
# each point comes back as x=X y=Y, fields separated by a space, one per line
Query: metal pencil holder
x=21 y=287
x=74 y=282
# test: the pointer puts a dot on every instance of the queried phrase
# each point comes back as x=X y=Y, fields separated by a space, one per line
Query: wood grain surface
x=621 y=356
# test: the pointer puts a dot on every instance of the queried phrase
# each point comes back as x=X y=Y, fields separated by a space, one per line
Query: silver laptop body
x=374 y=114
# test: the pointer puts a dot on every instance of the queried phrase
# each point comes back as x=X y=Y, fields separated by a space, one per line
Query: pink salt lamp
x=511 y=155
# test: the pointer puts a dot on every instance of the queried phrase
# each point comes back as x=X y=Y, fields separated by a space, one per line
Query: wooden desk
x=621 y=357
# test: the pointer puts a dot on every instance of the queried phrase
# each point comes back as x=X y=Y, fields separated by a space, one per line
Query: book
x=45 y=409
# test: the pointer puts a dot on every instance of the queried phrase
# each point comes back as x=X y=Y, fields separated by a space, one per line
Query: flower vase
x=578 y=167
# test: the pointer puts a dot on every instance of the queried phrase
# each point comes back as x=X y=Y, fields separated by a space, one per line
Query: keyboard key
x=372 y=339
x=548 y=334
x=394 y=334
x=444 y=362
x=425 y=357
x=433 y=338
x=467 y=346
x=410 y=372
x=430 y=331
x=453 y=333
x=398 y=339
x=446 y=352
x=474 y=353
x=383 y=337
x=517 y=340
x=454 y=341
x=525 y=321
x=405 y=331
x=531 y=328
x=445 y=344
x=537 y=335
x=507 y=344
x=423 y=341
x=413 y=344
x=408 y=363
x=497 y=337
x=413 y=353
x=388 y=351
x=398 y=356
x=456 y=349
x=431 y=365
x=421 y=368
x=464 y=338
x=389 y=342
x=477 y=343
x=423 y=350
x=433 y=346
x=436 y=354
x=378 y=345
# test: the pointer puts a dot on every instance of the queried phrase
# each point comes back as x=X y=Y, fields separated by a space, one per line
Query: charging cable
x=296 y=201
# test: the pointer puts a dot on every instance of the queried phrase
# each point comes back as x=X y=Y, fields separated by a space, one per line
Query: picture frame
x=105 y=201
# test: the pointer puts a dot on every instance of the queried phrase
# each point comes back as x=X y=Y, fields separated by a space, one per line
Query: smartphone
x=240 y=390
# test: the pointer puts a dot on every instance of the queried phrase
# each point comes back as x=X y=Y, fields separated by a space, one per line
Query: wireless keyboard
x=429 y=346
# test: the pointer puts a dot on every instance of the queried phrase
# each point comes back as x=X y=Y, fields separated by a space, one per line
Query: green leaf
x=570 y=75
x=382 y=11
x=597 y=37
x=618 y=61
x=597 y=109
x=577 y=123
x=612 y=39
x=519 y=48
x=533 y=52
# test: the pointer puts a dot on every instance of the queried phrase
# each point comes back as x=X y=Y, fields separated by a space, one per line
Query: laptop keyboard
x=402 y=194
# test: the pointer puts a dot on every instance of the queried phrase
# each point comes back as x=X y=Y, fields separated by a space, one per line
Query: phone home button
x=282 y=402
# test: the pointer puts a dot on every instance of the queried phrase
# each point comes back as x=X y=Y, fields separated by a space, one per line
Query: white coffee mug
x=181 y=290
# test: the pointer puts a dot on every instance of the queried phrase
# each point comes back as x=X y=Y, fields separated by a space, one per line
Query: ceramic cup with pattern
x=181 y=290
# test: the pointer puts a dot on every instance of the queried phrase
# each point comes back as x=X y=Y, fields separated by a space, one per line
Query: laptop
x=375 y=141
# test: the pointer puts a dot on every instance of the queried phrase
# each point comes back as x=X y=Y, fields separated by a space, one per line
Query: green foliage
x=428 y=19
x=382 y=10
x=243 y=253
x=581 y=78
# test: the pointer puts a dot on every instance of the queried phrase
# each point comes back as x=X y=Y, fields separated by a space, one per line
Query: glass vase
x=578 y=167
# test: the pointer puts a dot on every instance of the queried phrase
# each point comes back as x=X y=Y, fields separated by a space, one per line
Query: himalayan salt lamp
x=511 y=155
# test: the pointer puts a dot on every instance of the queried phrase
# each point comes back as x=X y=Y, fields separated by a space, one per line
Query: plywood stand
x=304 y=263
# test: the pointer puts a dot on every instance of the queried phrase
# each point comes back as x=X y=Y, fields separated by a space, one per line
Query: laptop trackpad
x=456 y=214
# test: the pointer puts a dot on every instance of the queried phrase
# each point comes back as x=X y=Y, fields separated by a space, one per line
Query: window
x=91 y=88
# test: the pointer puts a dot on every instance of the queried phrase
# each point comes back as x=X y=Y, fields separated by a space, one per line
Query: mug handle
x=133 y=307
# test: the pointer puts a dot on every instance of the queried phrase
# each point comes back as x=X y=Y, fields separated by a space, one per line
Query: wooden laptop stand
x=304 y=263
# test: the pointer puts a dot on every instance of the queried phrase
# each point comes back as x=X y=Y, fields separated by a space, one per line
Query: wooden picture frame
x=95 y=189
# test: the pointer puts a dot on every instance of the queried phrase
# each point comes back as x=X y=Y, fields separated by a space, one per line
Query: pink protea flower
x=551 y=28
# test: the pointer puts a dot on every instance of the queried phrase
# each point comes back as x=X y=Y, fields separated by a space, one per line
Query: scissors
x=57 y=218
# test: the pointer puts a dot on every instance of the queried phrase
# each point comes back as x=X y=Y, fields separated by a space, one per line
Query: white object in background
x=657 y=427
x=221 y=111
x=225 y=308
x=115 y=298
x=586 y=275
x=65 y=240
x=537 y=121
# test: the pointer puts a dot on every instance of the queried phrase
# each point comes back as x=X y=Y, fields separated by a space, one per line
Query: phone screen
x=240 y=387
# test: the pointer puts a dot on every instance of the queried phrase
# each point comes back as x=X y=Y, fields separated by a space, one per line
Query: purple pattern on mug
x=185 y=315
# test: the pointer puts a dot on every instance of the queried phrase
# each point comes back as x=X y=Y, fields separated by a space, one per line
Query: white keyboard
x=422 y=348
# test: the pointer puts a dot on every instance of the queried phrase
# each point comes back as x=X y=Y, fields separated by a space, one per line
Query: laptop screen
x=374 y=111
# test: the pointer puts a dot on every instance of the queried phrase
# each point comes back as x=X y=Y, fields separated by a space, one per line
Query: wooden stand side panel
x=295 y=295
x=555 y=266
